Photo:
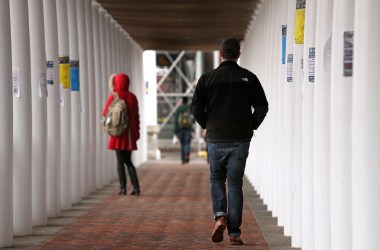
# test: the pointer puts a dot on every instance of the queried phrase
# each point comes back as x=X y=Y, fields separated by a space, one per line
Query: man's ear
x=238 y=55
x=221 y=54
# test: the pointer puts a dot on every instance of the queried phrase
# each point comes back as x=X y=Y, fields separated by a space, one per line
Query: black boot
x=134 y=179
x=122 y=180
x=123 y=190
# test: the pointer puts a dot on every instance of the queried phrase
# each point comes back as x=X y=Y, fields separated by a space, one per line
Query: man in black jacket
x=230 y=103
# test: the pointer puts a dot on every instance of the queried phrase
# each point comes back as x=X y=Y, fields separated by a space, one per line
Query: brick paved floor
x=173 y=212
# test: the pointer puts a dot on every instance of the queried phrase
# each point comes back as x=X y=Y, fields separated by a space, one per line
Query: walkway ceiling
x=182 y=24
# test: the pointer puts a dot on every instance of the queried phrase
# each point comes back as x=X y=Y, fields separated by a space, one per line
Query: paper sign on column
x=74 y=75
x=299 y=24
x=16 y=82
x=64 y=72
x=311 y=65
x=43 y=86
x=289 y=72
x=50 y=72
x=348 y=53
x=283 y=52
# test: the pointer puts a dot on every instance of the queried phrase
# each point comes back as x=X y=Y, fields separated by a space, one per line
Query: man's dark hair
x=185 y=99
x=230 y=48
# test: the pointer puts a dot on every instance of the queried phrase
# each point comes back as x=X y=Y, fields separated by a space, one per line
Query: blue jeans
x=227 y=161
x=184 y=137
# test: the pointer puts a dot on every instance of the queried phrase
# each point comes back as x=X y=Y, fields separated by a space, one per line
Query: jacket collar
x=234 y=63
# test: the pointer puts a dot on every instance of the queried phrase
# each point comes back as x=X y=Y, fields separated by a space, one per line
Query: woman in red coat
x=126 y=142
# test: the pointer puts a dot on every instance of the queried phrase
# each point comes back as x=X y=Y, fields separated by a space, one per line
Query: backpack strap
x=115 y=95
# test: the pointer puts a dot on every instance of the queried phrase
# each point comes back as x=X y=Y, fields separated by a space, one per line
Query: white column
x=108 y=26
x=307 y=127
x=63 y=50
x=297 y=139
x=75 y=101
x=322 y=125
x=103 y=81
x=281 y=114
x=6 y=130
x=22 y=119
x=39 y=111
x=99 y=105
x=111 y=24
x=365 y=127
x=91 y=98
x=150 y=77
x=341 y=110
x=53 y=110
x=276 y=62
x=269 y=120
x=84 y=93
x=289 y=109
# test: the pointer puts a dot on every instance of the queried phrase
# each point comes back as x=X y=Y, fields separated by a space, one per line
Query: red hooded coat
x=126 y=141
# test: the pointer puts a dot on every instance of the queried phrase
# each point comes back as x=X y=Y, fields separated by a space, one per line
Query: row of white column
x=53 y=151
x=315 y=160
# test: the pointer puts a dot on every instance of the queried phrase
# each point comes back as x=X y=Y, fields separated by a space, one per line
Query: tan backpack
x=115 y=122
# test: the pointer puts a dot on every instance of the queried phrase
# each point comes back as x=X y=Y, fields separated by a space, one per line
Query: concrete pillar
x=281 y=30
x=6 y=130
x=268 y=80
x=22 y=119
x=150 y=81
x=53 y=110
x=341 y=114
x=98 y=100
x=307 y=127
x=109 y=68
x=39 y=111
x=322 y=125
x=365 y=127
x=298 y=59
x=119 y=52
x=84 y=94
x=289 y=118
x=112 y=36
x=102 y=94
x=75 y=102
x=276 y=62
x=91 y=171
x=65 y=95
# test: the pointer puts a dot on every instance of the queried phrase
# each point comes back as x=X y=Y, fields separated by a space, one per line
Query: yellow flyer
x=299 y=25
x=64 y=72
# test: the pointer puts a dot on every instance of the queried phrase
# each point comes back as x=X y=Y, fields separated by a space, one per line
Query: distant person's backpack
x=184 y=119
x=116 y=120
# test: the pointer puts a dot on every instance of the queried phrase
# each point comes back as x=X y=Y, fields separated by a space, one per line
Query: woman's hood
x=119 y=83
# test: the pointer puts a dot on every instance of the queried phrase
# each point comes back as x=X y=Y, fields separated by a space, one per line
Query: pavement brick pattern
x=172 y=212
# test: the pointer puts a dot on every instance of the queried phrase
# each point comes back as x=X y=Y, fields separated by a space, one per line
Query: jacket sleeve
x=108 y=102
x=260 y=104
x=199 y=104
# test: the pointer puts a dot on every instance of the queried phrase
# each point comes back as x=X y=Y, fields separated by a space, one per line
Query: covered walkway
x=314 y=161
x=173 y=212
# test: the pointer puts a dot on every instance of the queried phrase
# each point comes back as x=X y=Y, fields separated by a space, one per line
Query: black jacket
x=223 y=102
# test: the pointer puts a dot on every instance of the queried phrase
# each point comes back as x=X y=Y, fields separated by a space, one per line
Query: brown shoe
x=220 y=226
x=235 y=240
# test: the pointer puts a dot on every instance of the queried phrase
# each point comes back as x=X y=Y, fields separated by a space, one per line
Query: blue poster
x=284 y=29
x=74 y=75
